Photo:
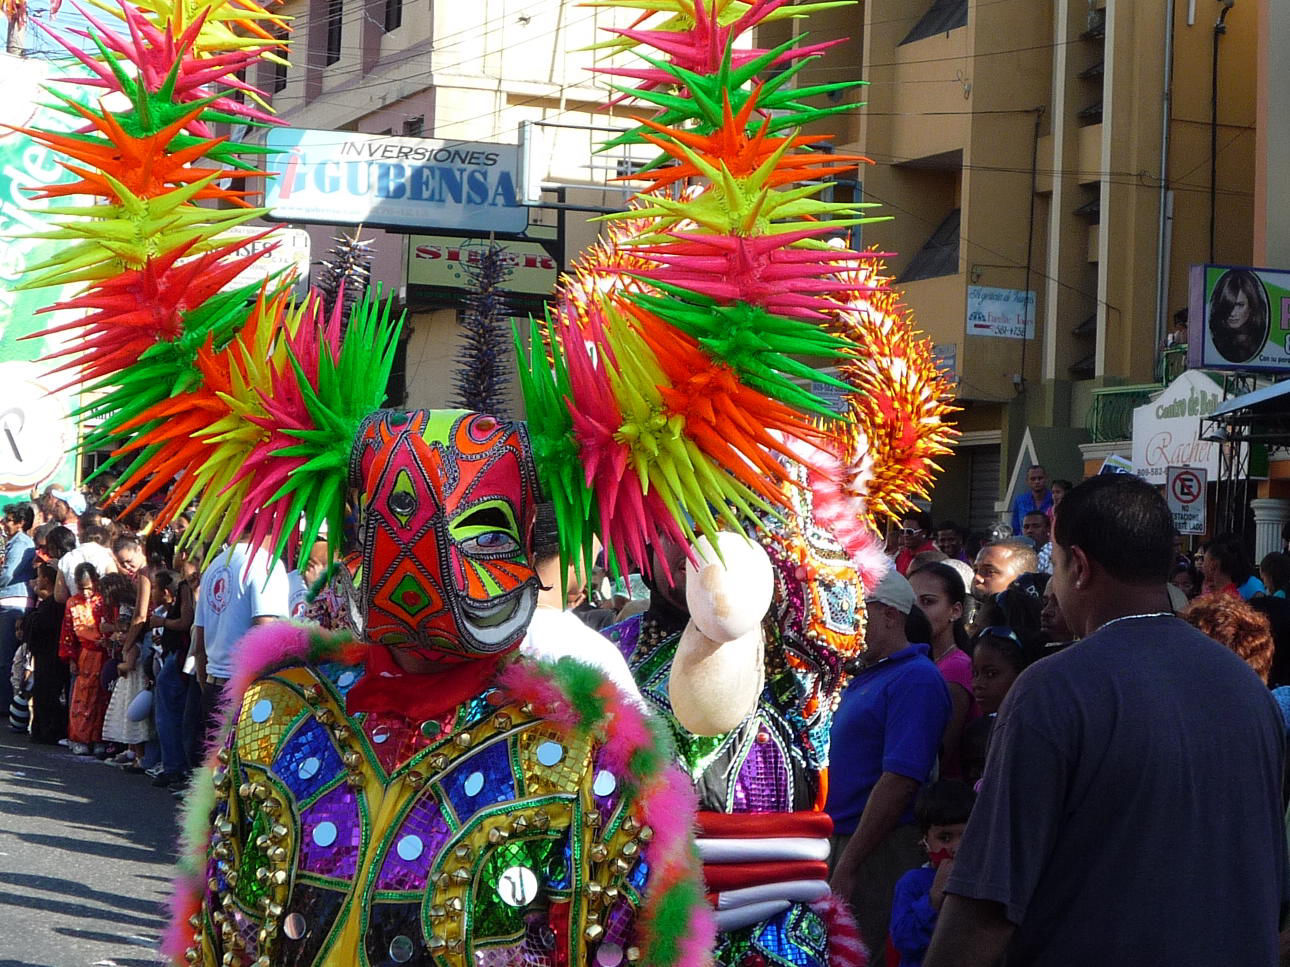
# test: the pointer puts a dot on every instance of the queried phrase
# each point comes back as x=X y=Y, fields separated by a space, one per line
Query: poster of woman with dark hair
x=1238 y=315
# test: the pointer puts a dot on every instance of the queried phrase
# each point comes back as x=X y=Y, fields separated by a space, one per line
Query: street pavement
x=85 y=860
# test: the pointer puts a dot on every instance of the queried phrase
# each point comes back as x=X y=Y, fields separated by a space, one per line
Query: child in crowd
x=20 y=676
x=40 y=632
x=175 y=599
x=84 y=646
x=941 y=811
x=997 y=659
x=132 y=676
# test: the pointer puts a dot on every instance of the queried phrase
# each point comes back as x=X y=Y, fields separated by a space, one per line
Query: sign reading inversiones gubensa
x=342 y=178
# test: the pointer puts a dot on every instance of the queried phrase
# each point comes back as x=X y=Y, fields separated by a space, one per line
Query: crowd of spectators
x=936 y=713
x=97 y=616
x=983 y=779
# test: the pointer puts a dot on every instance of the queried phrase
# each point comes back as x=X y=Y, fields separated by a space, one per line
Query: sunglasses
x=997 y=631
x=911 y=530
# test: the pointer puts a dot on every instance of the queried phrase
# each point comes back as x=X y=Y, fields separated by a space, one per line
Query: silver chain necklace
x=1134 y=617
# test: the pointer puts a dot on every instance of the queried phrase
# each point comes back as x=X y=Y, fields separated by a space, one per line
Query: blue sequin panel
x=308 y=760
x=341 y=677
x=479 y=781
x=561 y=878
x=637 y=877
x=794 y=938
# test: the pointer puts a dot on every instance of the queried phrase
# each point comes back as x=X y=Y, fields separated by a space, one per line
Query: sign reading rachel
x=341 y=178
x=1167 y=431
x=1238 y=318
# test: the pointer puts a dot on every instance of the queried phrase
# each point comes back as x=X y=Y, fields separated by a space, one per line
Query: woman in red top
x=1222 y=567
x=84 y=645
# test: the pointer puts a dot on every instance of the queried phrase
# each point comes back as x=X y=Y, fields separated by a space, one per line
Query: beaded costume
x=476 y=810
x=679 y=339
x=480 y=809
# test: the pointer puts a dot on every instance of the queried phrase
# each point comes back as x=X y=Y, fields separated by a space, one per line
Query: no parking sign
x=1185 y=494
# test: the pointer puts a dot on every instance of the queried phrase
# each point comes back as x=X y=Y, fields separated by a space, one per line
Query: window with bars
x=393 y=15
x=335 y=21
x=413 y=127
x=278 y=69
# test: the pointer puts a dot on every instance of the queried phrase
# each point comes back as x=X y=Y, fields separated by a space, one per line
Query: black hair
x=917 y=627
x=1035 y=513
x=1242 y=345
x=125 y=542
x=167 y=580
x=85 y=569
x=546 y=533
x=1277 y=567
x=22 y=513
x=48 y=572
x=1010 y=648
x=952 y=586
x=1182 y=568
x=1063 y=483
x=1231 y=556
x=944 y=802
x=1121 y=522
x=949 y=525
x=60 y=540
x=923 y=518
x=95 y=534
x=117 y=589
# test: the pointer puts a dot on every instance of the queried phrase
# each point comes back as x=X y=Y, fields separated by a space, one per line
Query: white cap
x=894 y=591
x=71 y=498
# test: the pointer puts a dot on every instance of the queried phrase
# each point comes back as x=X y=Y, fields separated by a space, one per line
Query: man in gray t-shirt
x=1131 y=808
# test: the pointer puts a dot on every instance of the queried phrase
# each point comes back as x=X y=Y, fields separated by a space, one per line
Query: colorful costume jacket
x=538 y=823
x=763 y=836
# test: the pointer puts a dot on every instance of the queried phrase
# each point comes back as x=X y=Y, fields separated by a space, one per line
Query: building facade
x=1060 y=149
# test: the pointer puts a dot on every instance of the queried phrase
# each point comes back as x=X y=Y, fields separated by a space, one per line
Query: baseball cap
x=894 y=591
x=71 y=498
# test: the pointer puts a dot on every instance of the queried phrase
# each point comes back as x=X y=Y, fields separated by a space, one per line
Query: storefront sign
x=946 y=357
x=1238 y=319
x=1000 y=313
x=37 y=433
x=1166 y=431
x=1185 y=494
x=286 y=250
x=443 y=260
x=341 y=178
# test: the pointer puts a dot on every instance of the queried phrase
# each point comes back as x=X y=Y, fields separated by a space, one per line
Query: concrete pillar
x=1270 y=515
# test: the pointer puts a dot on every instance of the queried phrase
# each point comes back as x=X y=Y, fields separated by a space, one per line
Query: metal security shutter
x=983 y=487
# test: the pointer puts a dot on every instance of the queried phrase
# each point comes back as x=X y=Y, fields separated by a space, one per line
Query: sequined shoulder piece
x=544 y=827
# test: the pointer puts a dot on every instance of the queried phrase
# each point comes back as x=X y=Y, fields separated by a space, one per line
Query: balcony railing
x=1111 y=416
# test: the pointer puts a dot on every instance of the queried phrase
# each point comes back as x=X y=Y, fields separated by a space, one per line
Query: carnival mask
x=448 y=501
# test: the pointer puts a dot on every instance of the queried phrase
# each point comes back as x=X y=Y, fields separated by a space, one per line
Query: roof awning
x=1266 y=401
x=1260 y=416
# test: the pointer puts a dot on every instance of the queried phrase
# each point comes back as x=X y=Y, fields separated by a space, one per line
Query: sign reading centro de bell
x=343 y=178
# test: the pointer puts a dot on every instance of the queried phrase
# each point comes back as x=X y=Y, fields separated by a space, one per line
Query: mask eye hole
x=488 y=531
x=402 y=502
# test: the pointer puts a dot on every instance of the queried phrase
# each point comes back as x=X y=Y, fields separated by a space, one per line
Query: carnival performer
x=745 y=499
x=410 y=792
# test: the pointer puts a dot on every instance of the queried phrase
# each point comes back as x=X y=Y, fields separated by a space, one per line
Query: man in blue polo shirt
x=886 y=733
x=1036 y=496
